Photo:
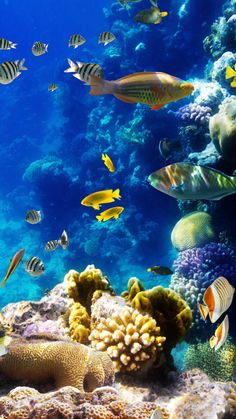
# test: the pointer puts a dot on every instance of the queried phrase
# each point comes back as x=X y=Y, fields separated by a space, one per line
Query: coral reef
x=230 y=396
x=67 y=363
x=194 y=113
x=210 y=94
x=207 y=157
x=219 y=365
x=223 y=129
x=79 y=323
x=217 y=72
x=171 y=313
x=131 y=339
x=192 y=230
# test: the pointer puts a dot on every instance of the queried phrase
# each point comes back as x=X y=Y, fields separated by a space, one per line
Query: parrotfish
x=150 y=88
x=13 y=265
x=191 y=181
x=108 y=163
x=151 y=15
x=221 y=334
x=113 y=212
x=96 y=199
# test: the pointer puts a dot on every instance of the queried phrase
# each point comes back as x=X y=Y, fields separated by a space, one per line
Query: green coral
x=170 y=311
x=220 y=365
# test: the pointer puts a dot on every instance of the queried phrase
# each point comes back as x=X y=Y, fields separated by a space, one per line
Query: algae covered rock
x=223 y=129
x=192 y=230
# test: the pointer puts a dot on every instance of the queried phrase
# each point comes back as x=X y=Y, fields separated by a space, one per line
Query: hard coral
x=79 y=322
x=230 y=397
x=67 y=363
x=194 y=113
x=171 y=313
x=131 y=339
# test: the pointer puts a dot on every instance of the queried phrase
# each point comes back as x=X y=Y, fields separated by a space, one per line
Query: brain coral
x=223 y=129
x=192 y=230
x=131 y=339
x=66 y=362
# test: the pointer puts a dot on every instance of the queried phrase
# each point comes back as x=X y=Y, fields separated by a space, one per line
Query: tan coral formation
x=79 y=323
x=67 y=363
x=130 y=338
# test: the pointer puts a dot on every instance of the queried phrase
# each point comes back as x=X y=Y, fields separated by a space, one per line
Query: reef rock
x=207 y=157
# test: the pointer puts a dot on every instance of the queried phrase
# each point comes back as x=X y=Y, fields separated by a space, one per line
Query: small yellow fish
x=108 y=163
x=221 y=334
x=13 y=265
x=231 y=73
x=113 y=212
x=96 y=199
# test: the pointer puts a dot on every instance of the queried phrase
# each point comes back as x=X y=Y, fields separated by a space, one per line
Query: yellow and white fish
x=96 y=199
x=5 y=340
x=231 y=73
x=39 y=48
x=192 y=181
x=113 y=212
x=150 y=88
x=10 y=70
x=5 y=44
x=217 y=299
x=221 y=334
x=106 y=37
x=108 y=163
x=13 y=265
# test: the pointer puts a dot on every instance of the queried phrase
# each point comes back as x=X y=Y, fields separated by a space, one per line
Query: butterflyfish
x=221 y=334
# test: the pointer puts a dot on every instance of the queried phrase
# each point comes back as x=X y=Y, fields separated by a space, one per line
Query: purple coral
x=48 y=327
x=194 y=113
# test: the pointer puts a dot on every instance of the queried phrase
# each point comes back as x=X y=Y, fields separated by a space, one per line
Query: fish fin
x=3 y=282
x=116 y=216
x=153 y=3
x=96 y=206
x=99 y=218
x=13 y=45
x=105 y=43
x=157 y=21
x=233 y=83
x=212 y=342
x=163 y=14
x=73 y=67
x=21 y=65
x=230 y=72
x=100 y=86
x=46 y=47
x=76 y=46
x=203 y=310
x=149 y=270
x=77 y=76
x=157 y=107
x=116 y=194
x=124 y=99
x=103 y=157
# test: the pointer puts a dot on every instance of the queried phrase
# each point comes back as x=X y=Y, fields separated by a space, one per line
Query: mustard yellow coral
x=131 y=339
x=79 y=323
x=170 y=311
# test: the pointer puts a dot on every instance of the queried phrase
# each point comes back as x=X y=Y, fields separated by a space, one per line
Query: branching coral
x=131 y=339
x=171 y=313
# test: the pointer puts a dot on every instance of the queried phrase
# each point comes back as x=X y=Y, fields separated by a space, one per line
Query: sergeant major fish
x=34 y=266
x=108 y=163
x=10 y=70
x=33 y=217
x=64 y=240
x=152 y=15
x=5 y=44
x=76 y=40
x=106 y=37
x=39 y=48
x=51 y=245
x=52 y=87
x=191 y=181
x=13 y=265
x=96 y=199
x=84 y=70
x=150 y=88
x=113 y=212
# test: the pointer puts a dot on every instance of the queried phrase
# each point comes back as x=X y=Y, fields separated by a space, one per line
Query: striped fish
x=39 y=48
x=13 y=265
x=51 y=245
x=34 y=266
x=64 y=241
x=106 y=37
x=5 y=44
x=217 y=299
x=221 y=334
x=76 y=40
x=84 y=70
x=52 y=87
x=33 y=217
x=10 y=70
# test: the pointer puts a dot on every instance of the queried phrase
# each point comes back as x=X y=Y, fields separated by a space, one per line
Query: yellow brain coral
x=192 y=230
x=130 y=338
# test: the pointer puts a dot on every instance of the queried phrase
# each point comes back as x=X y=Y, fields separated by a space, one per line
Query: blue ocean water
x=51 y=143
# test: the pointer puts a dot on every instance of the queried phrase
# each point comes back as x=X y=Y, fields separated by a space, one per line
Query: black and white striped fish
x=52 y=87
x=5 y=44
x=10 y=70
x=76 y=40
x=34 y=266
x=106 y=37
x=39 y=48
x=51 y=245
x=64 y=241
x=33 y=217
x=84 y=70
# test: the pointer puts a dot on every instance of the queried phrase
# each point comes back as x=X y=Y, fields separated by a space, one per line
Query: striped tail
x=12 y=45
x=100 y=86
x=21 y=65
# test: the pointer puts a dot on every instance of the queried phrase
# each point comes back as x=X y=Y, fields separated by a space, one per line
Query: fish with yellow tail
x=113 y=212
x=231 y=74
x=221 y=334
x=160 y=270
x=108 y=163
x=217 y=299
x=149 y=16
x=13 y=265
x=150 y=88
x=192 y=181
x=96 y=199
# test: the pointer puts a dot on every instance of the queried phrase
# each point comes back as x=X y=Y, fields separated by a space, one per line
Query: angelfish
x=13 y=265
x=221 y=334
x=108 y=163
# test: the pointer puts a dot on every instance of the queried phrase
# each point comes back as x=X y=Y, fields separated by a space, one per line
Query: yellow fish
x=113 y=212
x=221 y=334
x=13 y=265
x=96 y=199
x=150 y=88
x=231 y=73
x=108 y=163
x=217 y=298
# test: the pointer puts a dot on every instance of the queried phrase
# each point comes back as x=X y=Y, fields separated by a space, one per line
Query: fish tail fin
x=148 y=269
x=233 y=83
x=203 y=310
x=99 y=218
x=77 y=76
x=116 y=194
x=230 y=72
x=21 y=65
x=46 y=47
x=103 y=157
x=73 y=67
x=212 y=342
x=13 y=45
x=100 y=86
x=163 y=14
